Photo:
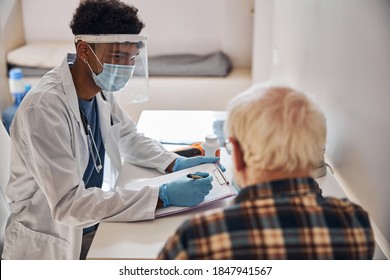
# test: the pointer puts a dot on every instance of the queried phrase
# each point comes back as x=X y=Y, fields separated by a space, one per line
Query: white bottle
x=16 y=84
x=211 y=146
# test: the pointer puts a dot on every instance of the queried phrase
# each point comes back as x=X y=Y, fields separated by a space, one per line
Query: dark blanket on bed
x=214 y=64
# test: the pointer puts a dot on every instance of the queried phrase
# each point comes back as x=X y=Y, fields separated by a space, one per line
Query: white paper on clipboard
x=221 y=187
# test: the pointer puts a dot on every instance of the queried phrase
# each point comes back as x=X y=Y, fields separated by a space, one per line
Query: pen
x=194 y=176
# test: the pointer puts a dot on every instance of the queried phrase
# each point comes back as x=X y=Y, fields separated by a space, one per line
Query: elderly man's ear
x=238 y=156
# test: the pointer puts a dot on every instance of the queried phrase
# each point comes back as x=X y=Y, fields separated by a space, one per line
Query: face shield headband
x=121 y=63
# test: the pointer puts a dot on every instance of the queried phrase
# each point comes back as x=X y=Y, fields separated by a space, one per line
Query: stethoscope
x=97 y=161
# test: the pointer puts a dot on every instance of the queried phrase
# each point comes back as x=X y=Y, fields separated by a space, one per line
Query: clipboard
x=221 y=187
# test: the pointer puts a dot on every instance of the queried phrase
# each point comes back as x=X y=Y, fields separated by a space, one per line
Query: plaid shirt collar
x=279 y=188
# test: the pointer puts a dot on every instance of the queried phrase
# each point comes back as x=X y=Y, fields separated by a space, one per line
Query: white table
x=144 y=239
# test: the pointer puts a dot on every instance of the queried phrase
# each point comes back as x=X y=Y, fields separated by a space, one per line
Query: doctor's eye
x=124 y=58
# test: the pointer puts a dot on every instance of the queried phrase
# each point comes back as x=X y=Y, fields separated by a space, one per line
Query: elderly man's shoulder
x=211 y=218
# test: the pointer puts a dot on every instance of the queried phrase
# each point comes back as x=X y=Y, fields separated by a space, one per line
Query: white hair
x=277 y=128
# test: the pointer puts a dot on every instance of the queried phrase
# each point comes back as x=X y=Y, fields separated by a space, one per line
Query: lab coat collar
x=104 y=111
x=71 y=93
x=69 y=88
x=110 y=132
x=104 y=116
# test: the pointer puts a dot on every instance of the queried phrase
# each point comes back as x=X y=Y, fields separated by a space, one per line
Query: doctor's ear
x=82 y=50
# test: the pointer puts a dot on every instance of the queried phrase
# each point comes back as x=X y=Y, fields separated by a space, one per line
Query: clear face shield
x=120 y=65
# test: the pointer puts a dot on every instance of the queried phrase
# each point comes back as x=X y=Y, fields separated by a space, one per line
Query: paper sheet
x=221 y=187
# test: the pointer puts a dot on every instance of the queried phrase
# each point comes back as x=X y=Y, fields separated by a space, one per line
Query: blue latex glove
x=183 y=163
x=185 y=191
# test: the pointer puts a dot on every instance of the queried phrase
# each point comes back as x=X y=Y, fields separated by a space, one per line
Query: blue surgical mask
x=113 y=77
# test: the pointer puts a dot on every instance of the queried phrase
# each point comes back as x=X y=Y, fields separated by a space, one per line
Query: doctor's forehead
x=112 y=48
x=132 y=48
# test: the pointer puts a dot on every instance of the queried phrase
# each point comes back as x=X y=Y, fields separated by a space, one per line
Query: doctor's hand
x=185 y=191
x=183 y=163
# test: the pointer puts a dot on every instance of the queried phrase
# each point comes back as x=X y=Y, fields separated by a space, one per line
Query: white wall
x=48 y=20
x=262 y=40
x=172 y=26
x=11 y=36
x=338 y=51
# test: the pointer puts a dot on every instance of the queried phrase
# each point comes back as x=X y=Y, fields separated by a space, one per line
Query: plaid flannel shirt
x=286 y=219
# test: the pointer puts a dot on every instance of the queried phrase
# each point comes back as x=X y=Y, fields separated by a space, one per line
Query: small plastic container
x=18 y=90
x=211 y=146
x=16 y=84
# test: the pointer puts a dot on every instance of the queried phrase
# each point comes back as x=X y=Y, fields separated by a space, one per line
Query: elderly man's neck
x=253 y=177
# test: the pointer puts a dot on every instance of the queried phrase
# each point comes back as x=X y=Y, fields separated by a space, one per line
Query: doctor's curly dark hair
x=105 y=17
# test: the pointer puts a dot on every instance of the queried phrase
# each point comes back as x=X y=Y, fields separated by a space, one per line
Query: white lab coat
x=49 y=202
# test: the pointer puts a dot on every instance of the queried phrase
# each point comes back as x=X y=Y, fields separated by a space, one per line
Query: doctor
x=67 y=128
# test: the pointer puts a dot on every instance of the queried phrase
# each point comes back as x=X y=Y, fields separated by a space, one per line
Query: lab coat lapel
x=104 y=116
x=70 y=90
x=71 y=95
x=110 y=133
